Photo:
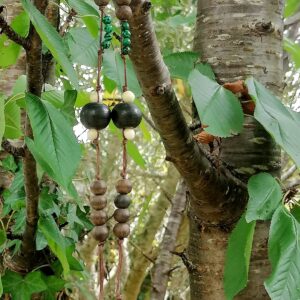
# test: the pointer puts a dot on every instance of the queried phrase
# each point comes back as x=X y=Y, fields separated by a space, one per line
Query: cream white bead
x=94 y=97
x=128 y=97
x=92 y=134
x=129 y=133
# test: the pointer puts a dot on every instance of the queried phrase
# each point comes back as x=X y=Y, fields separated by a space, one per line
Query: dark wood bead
x=121 y=230
x=98 y=187
x=98 y=202
x=123 y=12
x=101 y=2
x=98 y=217
x=100 y=233
x=122 y=201
x=123 y=2
x=124 y=186
x=122 y=215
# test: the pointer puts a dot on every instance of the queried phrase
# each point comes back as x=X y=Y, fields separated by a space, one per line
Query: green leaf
x=55 y=240
x=21 y=288
x=68 y=108
x=9 y=50
x=1 y=287
x=217 y=107
x=264 y=197
x=8 y=163
x=55 y=146
x=294 y=50
x=12 y=120
x=181 y=64
x=113 y=68
x=291 y=6
x=2 y=237
x=52 y=40
x=282 y=123
x=54 y=284
x=238 y=255
x=284 y=254
x=2 y=118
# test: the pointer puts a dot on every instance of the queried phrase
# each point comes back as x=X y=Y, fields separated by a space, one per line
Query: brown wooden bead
x=123 y=186
x=101 y=2
x=98 y=217
x=100 y=233
x=98 y=202
x=124 y=12
x=122 y=201
x=123 y=2
x=121 y=215
x=121 y=230
x=98 y=187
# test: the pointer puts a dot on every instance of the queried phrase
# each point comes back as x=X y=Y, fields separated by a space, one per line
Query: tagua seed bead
x=121 y=215
x=122 y=201
x=98 y=202
x=108 y=28
x=98 y=187
x=124 y=12
x=129 y=134
x=100 y=233
x=98 y=217
x=128 y=97
x=123 y=2
x=92 y=134
x=126 y=42
x=107 y=19
x=126 y=50
x=101 y=2
x=95 y=115
x=121 y=230
x=124 y=26
x=123 y=186
x=126 y=34
x=126 y=115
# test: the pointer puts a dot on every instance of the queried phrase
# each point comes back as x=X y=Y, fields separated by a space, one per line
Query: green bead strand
x=106 y=20
x=126 y=34
x=125 y=50
x=105 y=44
x=108 y=28
x=126 y=42
x=108 y=37
x=125 y=26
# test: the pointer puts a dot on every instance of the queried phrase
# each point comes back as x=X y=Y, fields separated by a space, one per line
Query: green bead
x=107 y=36
x=126 y=34
x=125 y=50
x=106 y=19
x=108 y=28
x=126 y=42
x=125 y=26
x=105 y=44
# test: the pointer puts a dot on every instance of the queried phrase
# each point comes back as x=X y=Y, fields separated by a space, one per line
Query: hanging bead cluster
x=108 y=29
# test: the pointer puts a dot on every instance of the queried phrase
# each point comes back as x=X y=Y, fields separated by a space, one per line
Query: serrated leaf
x=282 y=123
x=238 y=255
x=21 y=288
x=55 y=146
x=264 y=197
x=217 y=107
x=52 y=40
x=284 y=253
x=181 y=64
x=12 y=120
x=68 y=108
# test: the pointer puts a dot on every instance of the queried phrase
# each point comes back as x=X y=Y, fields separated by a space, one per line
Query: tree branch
x=204 y=181
x=12 y=35
x=15 y=151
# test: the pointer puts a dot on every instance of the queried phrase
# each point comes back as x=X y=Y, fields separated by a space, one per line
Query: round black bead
x=122 y=201
x=95 y=115
x=126 y=115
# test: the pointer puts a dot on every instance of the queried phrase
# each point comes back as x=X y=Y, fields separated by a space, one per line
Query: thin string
x=124 y=166
x=119 y=270
x=100 y=52
x=101 y=271
x=125 y=86
x=97 y=145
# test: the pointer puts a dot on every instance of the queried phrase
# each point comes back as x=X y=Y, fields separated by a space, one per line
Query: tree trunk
x=239 y=39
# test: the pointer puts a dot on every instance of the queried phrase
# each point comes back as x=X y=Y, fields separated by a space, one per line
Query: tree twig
x=15 y=151
x=12 y=35
x=286 y=175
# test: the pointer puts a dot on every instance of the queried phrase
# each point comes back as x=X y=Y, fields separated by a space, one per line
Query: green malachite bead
x=106 y=19
x=125 y=26
x=125 y=50
x=126 y=42
x=108 y=28
x=107 y=37
x=126 y=34
x=105 y=44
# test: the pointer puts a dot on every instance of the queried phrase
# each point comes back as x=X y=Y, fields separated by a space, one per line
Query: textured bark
x=238 y=38
x=163 y=263
x=143 y=250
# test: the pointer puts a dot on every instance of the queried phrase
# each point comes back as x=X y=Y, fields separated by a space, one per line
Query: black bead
x=126 y=115
x=122 y=201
